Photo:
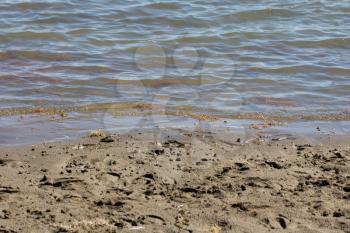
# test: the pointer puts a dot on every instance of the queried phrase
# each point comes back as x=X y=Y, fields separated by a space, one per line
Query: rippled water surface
x=277 y=57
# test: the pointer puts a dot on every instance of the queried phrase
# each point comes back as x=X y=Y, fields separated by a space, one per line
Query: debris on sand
x=215 y=229
x=97 y=133
x=62 y=113
x=78 y=147
x=264 y=125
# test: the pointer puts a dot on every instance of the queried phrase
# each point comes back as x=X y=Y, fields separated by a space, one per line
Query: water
x=234 y=59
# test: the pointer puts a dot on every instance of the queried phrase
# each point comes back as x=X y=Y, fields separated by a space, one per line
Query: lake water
x=233 y=59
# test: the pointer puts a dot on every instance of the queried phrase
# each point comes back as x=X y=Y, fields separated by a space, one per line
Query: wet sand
x=181 y=181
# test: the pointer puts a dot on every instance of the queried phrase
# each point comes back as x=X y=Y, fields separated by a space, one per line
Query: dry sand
x=181 y=182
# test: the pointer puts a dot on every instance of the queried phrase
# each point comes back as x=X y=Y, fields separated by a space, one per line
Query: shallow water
x=230 y=58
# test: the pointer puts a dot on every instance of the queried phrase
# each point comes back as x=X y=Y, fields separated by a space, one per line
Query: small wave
x=76 y=69
x=163 y=6
x=37 y=56
x=33 y=5
x=30 y=35
x=32 y=79
x=198 y=39
x=303 y=69
x=42 y=5
x=343 y=90
x=176 y=22
x=51 y=20
x=264 y=100
x=341 y=43
x=80 y=31
x=99 y=42
x=261 y=14
x=151 y=83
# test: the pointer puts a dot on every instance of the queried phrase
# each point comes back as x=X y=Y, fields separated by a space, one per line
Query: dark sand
x=181 y=182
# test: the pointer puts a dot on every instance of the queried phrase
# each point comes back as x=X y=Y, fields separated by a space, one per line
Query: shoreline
x=176 y=180
x=36 y=129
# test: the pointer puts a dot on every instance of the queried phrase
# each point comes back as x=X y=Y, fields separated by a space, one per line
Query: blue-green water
x=230 y=56
x=288 y=58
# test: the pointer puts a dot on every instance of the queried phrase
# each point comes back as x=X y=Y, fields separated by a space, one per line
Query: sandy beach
x=183 y=181
x=174 y=116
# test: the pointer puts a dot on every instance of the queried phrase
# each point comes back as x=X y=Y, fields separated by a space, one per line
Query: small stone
x=347 y=189
x=338 y=214
x=107 y=139
x=44 y=179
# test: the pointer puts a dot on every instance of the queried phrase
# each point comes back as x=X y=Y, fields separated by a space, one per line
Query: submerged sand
x=181 y=181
